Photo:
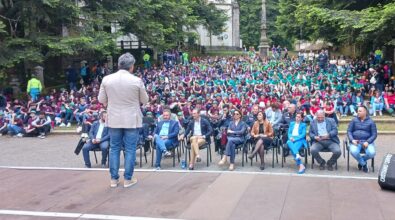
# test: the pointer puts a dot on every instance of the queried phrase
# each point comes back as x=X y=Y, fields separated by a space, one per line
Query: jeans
x=128 y=138
x=342 y=109
x=80 y=117
x=355 y=151
x=68 y=117
x=73 y=86
x=90 y=146
x=295 y=147
x=14 y=129
x=147 y=64
x=231 y=147
x=353 y=109
x=378 y=107
x=34 y=93
x=328 y=145
x=161 y=146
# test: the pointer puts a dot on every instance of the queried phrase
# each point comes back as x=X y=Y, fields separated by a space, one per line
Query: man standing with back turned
x=123 y=93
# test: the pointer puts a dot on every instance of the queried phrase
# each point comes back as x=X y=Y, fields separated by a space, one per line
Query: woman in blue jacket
x=297 y=140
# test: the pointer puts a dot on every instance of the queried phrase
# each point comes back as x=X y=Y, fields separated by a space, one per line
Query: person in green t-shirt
x=185 y=58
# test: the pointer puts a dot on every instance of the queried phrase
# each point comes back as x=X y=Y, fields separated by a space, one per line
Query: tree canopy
x=364 y=22
x=35 y=30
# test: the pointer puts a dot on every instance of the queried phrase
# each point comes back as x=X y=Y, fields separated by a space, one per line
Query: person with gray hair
x=324 y=135
x=123 y=93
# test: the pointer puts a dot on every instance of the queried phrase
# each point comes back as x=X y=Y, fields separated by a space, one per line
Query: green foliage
x=339 y=22
x=34 y=30
x=163 y=24
x=250 y=23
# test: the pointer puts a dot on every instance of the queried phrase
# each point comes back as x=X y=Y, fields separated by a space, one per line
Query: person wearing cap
x=34 y=87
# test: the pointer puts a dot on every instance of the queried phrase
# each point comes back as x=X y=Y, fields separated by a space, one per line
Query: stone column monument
x=264 y=43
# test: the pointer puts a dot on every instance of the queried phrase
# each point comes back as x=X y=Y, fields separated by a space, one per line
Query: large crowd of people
x=230 y=98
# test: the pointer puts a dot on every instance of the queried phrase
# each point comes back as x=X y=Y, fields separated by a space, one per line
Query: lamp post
x=264 y=43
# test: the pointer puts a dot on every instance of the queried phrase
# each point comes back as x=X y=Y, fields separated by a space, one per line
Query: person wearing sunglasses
x=235 y=133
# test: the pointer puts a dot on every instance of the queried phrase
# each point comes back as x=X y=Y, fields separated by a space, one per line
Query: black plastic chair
x=174 y=151
x=346 y=146
x=207 y=146
x=323 y=151
x=303 y=151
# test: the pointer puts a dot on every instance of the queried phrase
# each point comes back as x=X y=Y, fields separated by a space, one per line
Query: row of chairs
x=278 y=147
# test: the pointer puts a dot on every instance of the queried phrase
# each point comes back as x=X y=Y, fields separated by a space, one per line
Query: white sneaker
x=62 y=125
x=114 y=183
x=19 y=135
x=79 y=129
x=381 y=113
x=68 y=125
x=374 y=114
x=129 y=183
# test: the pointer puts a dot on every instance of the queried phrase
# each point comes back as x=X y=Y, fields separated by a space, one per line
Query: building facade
x=230 y=38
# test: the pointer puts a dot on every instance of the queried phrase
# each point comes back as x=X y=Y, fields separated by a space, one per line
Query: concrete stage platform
x=82 y=194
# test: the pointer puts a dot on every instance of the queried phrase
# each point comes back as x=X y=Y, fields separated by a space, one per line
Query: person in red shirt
x=389 y=99
x=314 y=107
x=329 y=110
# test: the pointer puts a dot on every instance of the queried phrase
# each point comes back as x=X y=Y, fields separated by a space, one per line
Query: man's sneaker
x=79 y=129
x=19 y=135
x=359 y=167
x=365 y=168
x=41 y=136
x=68 y=125
x=167 y=153
x=62 y=125
x=103 y=166
x=114 y=183
x=157 y=168
x=381 y=113
x=129 y=183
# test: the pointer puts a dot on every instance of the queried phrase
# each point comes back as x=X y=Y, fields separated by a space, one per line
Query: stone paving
x=58 y=151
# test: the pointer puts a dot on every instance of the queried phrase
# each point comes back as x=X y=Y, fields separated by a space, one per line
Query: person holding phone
x=324 y=135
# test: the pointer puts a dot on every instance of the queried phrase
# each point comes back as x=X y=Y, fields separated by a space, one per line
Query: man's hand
x=164 y=137
x=325 y=137
x=317 y=138
x=355 y=142
x=365 y=144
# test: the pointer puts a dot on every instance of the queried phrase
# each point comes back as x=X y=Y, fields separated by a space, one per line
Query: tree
x=35 y=29
x=163 y=24
x=366 y=23
x=250 y=23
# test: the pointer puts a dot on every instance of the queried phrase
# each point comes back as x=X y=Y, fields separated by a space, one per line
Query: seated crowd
x=234 y=100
